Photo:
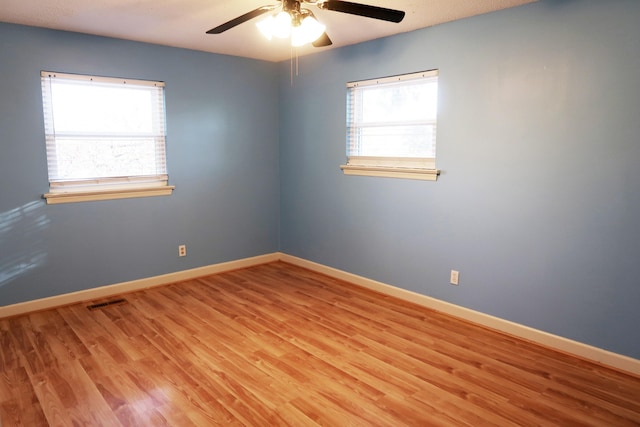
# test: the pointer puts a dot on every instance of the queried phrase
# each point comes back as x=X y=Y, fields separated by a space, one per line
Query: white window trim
x=73 y=197
x=106 y=188
x=384 y=172
x=103 y=189
x=392 y=167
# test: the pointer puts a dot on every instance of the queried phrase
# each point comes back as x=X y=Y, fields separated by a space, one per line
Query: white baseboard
x=594 y=354
x=565 y=345
x=134 y=285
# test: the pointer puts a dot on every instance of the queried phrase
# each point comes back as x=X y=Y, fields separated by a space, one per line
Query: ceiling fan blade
x=322 y=41
x=374 y=12
x=241 y=19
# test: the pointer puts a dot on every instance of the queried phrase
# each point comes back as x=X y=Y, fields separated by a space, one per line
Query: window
x=391 y=126
x=105 y=138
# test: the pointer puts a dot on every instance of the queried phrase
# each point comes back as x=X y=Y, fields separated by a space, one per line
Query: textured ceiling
x=183 y=23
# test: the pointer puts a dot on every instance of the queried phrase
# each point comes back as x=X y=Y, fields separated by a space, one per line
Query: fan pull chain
x=294 y=52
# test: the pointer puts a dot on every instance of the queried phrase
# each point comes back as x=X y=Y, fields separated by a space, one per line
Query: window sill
x=389 y=172
x=73 y=197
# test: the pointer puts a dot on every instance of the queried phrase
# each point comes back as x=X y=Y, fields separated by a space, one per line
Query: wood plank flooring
x=279 y=345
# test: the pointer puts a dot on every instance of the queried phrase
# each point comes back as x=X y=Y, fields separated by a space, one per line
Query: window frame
x=422 y=168
x=69 y=190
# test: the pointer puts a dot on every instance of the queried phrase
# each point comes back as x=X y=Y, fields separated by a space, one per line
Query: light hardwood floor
x=280 y=345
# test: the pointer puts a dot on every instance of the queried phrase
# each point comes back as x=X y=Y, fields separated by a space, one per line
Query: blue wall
x=222 y=123
x=538 y=204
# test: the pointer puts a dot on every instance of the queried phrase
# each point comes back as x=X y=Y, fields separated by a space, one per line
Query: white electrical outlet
x=455 y=275
x=182 y=250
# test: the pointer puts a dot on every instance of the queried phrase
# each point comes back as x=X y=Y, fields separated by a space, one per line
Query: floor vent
x=107 y=304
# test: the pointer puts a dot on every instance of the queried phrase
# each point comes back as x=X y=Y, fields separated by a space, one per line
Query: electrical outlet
x=182 y=250
x=453 y=279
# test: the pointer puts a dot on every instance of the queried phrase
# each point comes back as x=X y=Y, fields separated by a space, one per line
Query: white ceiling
x=183 y=23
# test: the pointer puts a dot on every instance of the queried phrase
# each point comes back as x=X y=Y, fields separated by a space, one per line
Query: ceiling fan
x=295 y=21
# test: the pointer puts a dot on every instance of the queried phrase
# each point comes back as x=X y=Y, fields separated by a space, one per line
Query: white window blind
x=103 y=134
x=391 y=122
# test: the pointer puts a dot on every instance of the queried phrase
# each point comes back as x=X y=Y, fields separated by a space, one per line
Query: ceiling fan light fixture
x=308 y=31
x=282 y=25
x=266 y=26
x=278 y=25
